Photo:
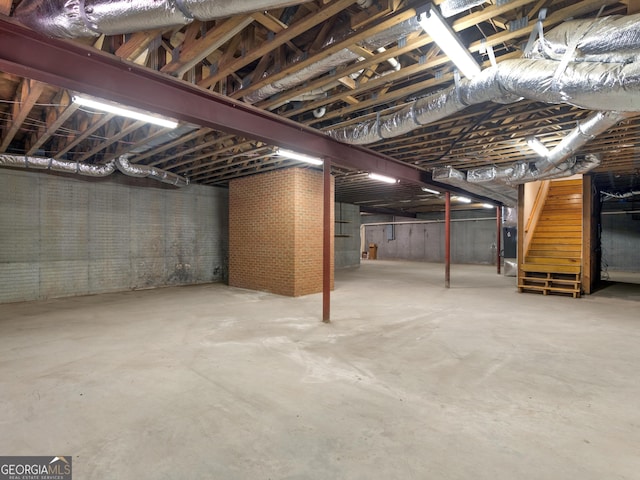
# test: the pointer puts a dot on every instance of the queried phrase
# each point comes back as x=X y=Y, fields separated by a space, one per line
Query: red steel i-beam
x=498 y=237
x=447 y=240
x=30 y=54
x=326 y=241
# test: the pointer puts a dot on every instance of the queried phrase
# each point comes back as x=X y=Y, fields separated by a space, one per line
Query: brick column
x=275 y=232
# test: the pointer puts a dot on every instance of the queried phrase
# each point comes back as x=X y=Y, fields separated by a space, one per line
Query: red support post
x=498 y=237
x=447 y=240
x=326 y=242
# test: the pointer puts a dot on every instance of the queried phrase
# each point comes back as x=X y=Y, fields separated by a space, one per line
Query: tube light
x=428 y=190
x=462 y=199
x=537 y=146
x=439 y=30
x=487 y=205
x=124 y=112
x=299 y=156
x=382 y=178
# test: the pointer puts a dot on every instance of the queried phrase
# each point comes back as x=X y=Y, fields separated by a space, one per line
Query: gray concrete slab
x=409 y=381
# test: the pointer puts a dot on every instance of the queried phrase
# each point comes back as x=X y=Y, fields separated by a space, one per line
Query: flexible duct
x=121 y=163
x=449 y=8
x=587 y=82
x=585 y=85
x=558 y=163
x=54 y=165
x=585 y=131
x=501 y=193
x=86 y=18
x=523 y=172
x=134 y=170
x=334 y=60
x=613 y=39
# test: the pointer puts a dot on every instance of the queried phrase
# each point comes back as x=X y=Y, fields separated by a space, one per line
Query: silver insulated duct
x=560 y=161
x=449 y=8
x=145 y=171
x=449 y=175
x=575 y=80
x=86 y=18
x=335 y=60
x=53 y=165
x=65 y=166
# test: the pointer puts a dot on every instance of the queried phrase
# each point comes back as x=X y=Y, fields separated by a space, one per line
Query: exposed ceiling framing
x=199 y=74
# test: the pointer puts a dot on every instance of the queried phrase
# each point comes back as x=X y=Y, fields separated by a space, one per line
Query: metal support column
x=498 y=236
x=447 y=240
x=326 y=242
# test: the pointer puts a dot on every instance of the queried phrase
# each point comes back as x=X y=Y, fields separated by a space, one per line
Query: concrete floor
x=409 y=381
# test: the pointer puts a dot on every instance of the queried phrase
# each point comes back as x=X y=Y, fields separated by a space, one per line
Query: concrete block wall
x=473 y=239
x=620 y=239
x=347 y=240
x=275 y=232
x=64 y=236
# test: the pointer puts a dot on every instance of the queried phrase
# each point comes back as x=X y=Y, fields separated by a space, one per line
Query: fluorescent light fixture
x=299 y=156
x=487 y=205
x=428 y=190
x=382 y=178
x=462 y=199
x=124 y=112
x=441 y=33
x=537 y=146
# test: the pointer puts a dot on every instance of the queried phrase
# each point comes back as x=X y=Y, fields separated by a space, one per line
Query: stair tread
x=565 y=281
x=542 y=268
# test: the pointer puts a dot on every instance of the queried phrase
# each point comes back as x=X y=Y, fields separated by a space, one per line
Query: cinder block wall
x=63 y=236
x=275 y=232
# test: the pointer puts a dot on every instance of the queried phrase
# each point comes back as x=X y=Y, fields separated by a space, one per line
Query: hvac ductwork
x=78 y=18
x=593 y=87
x=522 y=172
x=492 y=181
x=587 y=84
x=559 y=162
x=53 y=165
x=449 y=8
x=613 y=39
x=134 y=170
x=335 y=60
x=451 y=176
x=121 y=163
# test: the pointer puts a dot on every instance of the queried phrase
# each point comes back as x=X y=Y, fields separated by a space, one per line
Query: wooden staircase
x=553 y=262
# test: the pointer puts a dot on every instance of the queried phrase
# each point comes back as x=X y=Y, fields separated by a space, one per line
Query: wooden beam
x=196 y=148
x=330 y=50
x=144 y=138
x=27 y=95
x=633 y=6
x=197 y=50
x=55 y=118
x=169 y=145
x=87 y=128
x=69 y=65
x=534 y=11
x=281 y=38
x=269 y=22
x=113 y=138
x=137 y=44
x=5 y=7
